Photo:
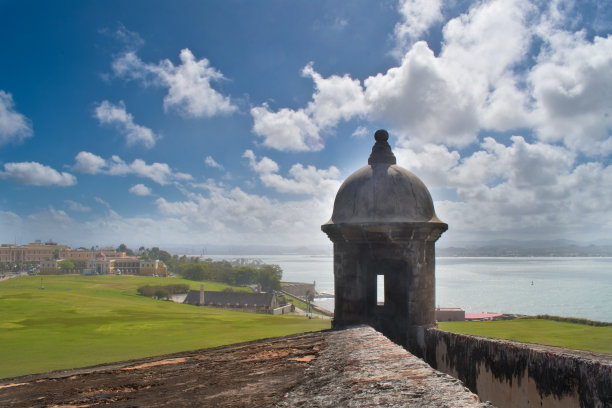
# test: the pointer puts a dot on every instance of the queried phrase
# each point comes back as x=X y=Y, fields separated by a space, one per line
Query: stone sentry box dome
x=384 y=227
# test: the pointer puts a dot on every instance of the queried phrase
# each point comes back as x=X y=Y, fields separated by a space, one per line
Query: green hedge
x=163 y=292
x=577 y=320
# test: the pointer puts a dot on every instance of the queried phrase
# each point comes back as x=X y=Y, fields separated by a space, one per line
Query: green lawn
x=76 y=321
x=540 y=331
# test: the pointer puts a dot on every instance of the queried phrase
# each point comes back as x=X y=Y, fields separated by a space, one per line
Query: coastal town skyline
x=152 y=124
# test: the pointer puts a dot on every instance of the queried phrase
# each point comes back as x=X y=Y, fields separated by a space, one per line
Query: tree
x=196 y=272
x=124 y=248
x=309 y=299
x=66 y=265
x=161 y=293
x=154 y=253
x=80 y=265
x=270 y=277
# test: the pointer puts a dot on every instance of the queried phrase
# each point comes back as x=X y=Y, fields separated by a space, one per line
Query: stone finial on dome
x=381 y=151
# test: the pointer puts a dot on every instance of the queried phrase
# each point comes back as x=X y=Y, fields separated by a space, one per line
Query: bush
x=268 y=276
x=576 y=320
x=162 y=292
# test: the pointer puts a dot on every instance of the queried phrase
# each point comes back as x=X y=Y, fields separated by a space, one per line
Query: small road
x=6 y=276
x=301 y=312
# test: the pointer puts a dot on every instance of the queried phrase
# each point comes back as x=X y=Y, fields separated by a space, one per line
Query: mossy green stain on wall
x=555 y=374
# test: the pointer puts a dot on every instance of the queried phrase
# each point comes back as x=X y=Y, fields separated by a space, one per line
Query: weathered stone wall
x=283 y=310
x=298 y=289
x=359 y=367
x=512 y=374
x=409 y=289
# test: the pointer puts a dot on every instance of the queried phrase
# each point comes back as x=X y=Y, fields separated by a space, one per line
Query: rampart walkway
x=352 y=367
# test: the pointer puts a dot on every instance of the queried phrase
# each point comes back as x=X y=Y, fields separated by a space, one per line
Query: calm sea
x=571 y=287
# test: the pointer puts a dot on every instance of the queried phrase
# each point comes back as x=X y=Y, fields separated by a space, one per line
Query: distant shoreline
x=440 y=253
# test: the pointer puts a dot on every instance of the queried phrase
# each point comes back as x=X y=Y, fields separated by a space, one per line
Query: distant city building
x=450 y=314
x=299 y=289
x=483 y=316
x=102 y=265
x=233 y=300
x=33 y=252
x=103 y=261
x=37 y=251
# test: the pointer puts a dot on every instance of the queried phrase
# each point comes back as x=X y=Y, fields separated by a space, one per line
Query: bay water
x=569 y=287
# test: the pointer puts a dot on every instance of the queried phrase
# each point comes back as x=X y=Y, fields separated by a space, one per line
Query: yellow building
x=79 y=255
x=103 y=262
x=129 y=265
x=155 y=267
x=126 y=265
x=33 y=252
x=49 y=267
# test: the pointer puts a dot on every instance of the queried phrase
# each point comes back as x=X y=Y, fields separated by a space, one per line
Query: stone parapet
x=513 y=374
x=360 y=367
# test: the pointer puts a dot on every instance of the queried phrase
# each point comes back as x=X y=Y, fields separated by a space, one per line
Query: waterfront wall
x=511 y=374
x=283 y=310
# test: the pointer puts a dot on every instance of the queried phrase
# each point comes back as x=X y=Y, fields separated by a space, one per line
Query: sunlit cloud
x=14 y=126
x=36 y=174
x=189 y=84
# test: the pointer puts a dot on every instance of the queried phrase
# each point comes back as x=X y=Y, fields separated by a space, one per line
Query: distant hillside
x=204 y=250
x=496 y=247
x=513 y=248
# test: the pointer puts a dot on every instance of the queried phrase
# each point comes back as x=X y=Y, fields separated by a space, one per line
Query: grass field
x=540 y=331
x=76 y=321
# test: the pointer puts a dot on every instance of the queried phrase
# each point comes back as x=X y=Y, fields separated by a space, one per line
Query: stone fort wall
x=512 y=374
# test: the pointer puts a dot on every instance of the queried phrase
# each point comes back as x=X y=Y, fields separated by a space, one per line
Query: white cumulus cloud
x=210 y=162
x=572 y=86
x=335 y=98
x=140 y=190
x=189 y=84
x=503 y=65
x=14 y=127
x=286 y=129
x=89 y=163
x=110 y=114
x=36 y=174
x=522 y=187
x=232 y=215
x=417 y=16
x=75 y=206
x=161 y=173
x=422 y=101
x=302 y=180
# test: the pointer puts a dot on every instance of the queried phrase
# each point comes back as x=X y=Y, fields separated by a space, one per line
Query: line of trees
x=146 y=253
x=268 y=276
x=17 y=266
x=162 y=292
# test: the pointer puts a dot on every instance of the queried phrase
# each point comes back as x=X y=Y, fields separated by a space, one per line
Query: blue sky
x=235 y=122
